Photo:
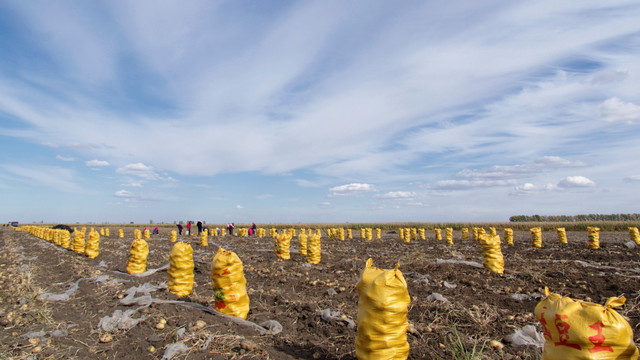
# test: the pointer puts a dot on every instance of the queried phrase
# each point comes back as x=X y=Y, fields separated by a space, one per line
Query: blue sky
x=318 y=111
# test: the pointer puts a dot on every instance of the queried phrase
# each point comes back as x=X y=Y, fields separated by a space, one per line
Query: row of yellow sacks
x=63 y=238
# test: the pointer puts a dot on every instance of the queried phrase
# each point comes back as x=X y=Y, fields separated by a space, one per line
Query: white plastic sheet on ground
x=329 y=315
x=528 y=335
x=174 y=350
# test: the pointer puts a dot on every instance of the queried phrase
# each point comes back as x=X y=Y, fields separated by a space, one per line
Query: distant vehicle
x=14 y=223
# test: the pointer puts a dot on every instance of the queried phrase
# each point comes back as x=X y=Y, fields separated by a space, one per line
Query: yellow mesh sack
x=401 y=233
x=465 y=233
x=536 y=237
x=302 y=243
x=181 y=269
x=138 y=254
x=594 y=237
x=368 y=234
x=349 y=234
x=77 y=244
x=93 y=245
x=414 y=234
x=493 y=231
x=562 y=235
x=438 y=234
x=407 y=235
x=204 y=238
x=65 y=239
x=107 y=232
x=137 y=234
x=174 y=236
x=508 y=236
x=491 y=253
x=382 y=314
x=422 y=234
x=378 y=233
x=449 y=235
x=229 y=284
x=634 y=234
x=581 y=330
x=101 y=231
x=314 y=249
x=120 y=234
x=147 y=234
x=281 y=246
x=476 y=234
x=341 y=234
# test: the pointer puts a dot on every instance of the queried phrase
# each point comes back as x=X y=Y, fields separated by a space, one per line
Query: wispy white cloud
x=239 y=207
x=51 y=177
x=124 y=194
x=632 y=178
x=63 y=158
x=469 y=184
x=140 y=170
x=616 y=110
x=398 y=195
x=350 y=189
x=529 y=188
x=576 y=181
x=97 y=163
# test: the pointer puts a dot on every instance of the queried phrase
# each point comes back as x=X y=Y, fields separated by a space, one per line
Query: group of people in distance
x=199 y=225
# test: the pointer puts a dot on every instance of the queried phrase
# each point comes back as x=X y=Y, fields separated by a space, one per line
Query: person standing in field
x=179 y=229
x=253 y=227
x=189 y=227
x=199 y=225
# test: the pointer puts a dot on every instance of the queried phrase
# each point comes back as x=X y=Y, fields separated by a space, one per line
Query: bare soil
x=482 y=311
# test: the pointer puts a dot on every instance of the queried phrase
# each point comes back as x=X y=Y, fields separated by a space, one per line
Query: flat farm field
x=476 y=313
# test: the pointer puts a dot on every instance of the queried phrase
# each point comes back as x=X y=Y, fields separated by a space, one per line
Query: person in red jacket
x=188 y=227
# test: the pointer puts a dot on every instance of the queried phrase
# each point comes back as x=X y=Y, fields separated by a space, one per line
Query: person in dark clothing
x=180 y=229
x=199 y=225
x=156 y=231
x=253 y=227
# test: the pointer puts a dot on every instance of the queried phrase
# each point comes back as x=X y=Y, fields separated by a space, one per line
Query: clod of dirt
x=249 y=345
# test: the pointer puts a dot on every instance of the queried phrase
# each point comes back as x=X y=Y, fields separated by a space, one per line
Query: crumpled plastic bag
x=528 y=335
x=329 y=315
x=174 y=350
x=119 y=321
x=60 y=297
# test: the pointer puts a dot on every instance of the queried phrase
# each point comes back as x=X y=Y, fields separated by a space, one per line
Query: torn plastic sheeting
x=587 y=264
x=464 y=262
x=119 y=321
x=60 y=297
x=270 y=327
x=330 y=316
x=528 y=335
x=43 y=335
x=521 y=297
x=438 y=297
x=173 y=350
x=450 y=285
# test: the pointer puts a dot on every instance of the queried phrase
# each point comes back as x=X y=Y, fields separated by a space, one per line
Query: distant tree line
x=574 y=218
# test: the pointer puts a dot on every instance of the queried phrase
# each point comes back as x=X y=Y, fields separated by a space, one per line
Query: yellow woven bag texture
x=634 y=234
x=314 y=249
x=138 y=257
x=382 y=314
x=229 y=284
x=580 y=330
x=181 y=269
x=491 y=253
x=302 y=243
x=147 y=234
x=281 y=246
x=438 y=234
x=120 y=233
x=93 y=245
x=594 y=237
x=65 y=239
x=493 y=231
x=449 y=235
x=562 y=235
x=204 y=238
x=536 y=237
x=174 y=236
x=107 y=232
x=508 y=236
x=77 y=244
x=465 y=233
